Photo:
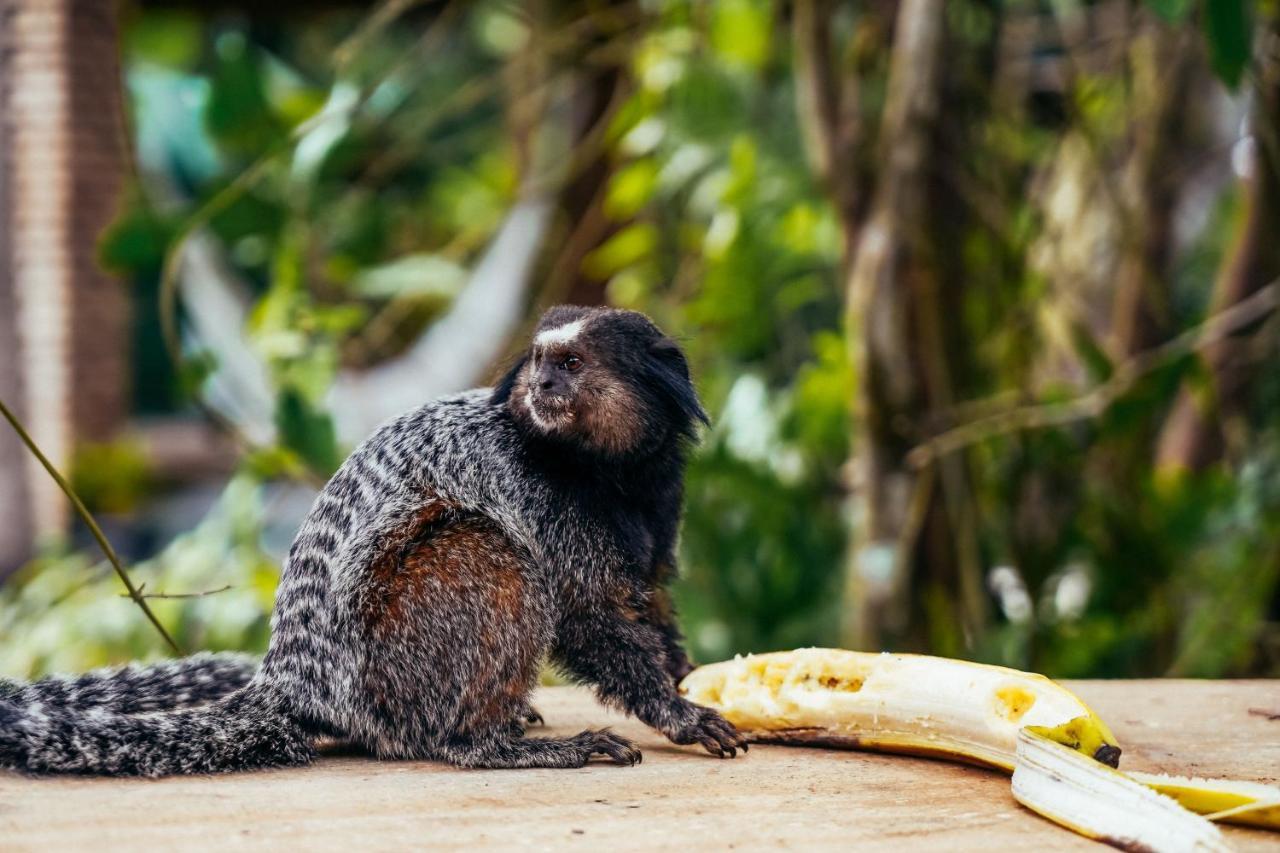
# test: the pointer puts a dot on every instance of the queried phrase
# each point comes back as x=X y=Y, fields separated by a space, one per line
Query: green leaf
x=168 y=38
x=631 y=189
x=707 y=106
x=1227 y=31
x=307 y=431
x=136 y=241
x=422 y=275
x=238 y=114
x=1173 y=11
x=194 y=371
x=740 y=32
x=629 y=246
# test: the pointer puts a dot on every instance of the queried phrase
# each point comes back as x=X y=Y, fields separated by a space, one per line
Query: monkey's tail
x=139 y=689
x=249 y=729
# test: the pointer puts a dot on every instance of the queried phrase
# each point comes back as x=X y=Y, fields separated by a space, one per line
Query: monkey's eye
x=571 y=363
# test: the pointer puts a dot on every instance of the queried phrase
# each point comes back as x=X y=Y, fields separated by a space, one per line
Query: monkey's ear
x=670 y=371
x=502 y=391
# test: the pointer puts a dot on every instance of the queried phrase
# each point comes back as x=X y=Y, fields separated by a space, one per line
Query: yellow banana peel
x=1061 y=754
x=1224 y=800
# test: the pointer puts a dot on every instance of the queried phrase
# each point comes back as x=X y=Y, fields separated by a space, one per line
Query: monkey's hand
x=627 y=662
x=717 y=735
x=678 y=665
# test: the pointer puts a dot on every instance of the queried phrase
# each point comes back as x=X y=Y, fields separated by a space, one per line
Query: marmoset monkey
x=457 y=548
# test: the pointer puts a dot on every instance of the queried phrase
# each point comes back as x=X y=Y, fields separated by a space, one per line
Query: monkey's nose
x=547 y=384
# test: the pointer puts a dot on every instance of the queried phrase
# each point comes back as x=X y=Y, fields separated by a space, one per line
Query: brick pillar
x=97 y=154
x=64 y=343
x=15 y=501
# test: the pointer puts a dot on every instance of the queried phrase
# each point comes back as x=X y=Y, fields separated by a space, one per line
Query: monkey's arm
x=660 y=612
x=626 y=660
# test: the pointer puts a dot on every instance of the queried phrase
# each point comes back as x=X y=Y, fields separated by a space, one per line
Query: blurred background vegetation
x=980 y=294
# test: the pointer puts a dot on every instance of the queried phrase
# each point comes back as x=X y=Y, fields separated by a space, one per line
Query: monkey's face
x=603 y=379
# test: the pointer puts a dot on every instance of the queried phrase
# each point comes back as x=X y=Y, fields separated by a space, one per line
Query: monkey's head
x=603 y=379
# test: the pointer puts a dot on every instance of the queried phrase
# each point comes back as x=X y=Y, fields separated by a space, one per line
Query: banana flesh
x=1061 y=754
x=896 y=703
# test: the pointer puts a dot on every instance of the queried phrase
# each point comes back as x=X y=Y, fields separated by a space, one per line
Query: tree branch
x=817 y=88
x=133 y=592
x=1097 y=400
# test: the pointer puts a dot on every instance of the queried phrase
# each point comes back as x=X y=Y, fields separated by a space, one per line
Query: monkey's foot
x=498 y=749
x=616 y=748
x=717 y=735
x=530 y=716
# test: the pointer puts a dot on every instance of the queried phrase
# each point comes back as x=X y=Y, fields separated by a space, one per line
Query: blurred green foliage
x=66 y=613
x=382 y=173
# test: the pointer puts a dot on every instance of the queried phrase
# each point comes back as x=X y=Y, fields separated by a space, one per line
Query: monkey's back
x=445 y=469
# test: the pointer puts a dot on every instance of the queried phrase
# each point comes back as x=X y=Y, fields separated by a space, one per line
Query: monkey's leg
x=454 y=629
x=501 y=750
x=626 y=660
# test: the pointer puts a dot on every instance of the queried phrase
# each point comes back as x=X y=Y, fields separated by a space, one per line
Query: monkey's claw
x=526 y=716
x=617 y=749
x=717 y=735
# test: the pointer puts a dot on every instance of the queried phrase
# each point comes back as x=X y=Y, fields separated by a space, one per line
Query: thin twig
x=92 y=524
x=377 y=21
x=168 y=595
x=1097 y=400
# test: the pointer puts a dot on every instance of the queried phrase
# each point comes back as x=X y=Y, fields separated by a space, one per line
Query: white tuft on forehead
x=560 y=334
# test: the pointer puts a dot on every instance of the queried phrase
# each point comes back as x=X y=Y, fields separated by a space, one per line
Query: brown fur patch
x=447 y=551
x=611 y=419
x=459 y=573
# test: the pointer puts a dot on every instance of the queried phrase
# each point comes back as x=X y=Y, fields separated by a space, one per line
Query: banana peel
x=1223 y=800
x=1063 y=757
x=1099 y=802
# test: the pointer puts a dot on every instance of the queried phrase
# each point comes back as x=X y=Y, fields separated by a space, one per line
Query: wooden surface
x=802 y=799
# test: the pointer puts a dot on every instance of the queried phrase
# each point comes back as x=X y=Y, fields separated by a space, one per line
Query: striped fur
x=457 y=547
x=136 y=688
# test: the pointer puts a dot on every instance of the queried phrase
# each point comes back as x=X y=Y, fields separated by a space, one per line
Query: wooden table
x=802 y=799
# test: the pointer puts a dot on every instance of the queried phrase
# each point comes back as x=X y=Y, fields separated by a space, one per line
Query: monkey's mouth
x=549 y=411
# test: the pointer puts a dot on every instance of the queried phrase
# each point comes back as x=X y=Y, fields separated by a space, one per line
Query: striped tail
x=246 y=730
x=138 y=689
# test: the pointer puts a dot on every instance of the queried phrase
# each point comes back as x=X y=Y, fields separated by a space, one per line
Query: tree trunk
x=599 y=88
x=896 y=326
x=1193 y=438
x=1161 y=63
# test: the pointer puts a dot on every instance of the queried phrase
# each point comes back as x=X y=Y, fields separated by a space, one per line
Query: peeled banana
x=897 y=703
x=1062 y=755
